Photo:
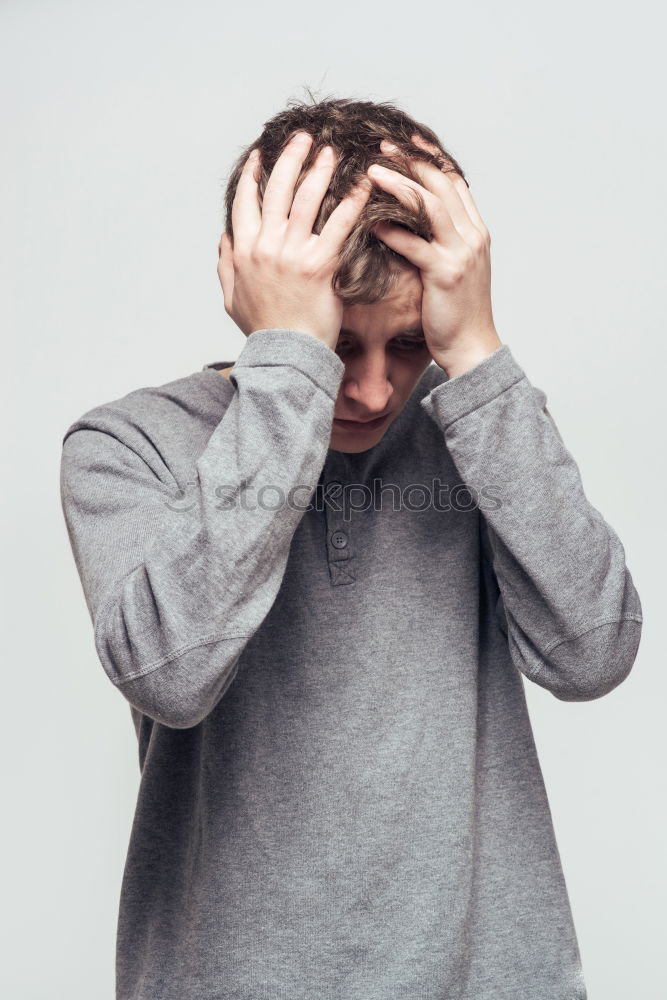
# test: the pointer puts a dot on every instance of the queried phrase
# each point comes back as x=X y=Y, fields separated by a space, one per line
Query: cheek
x=411 y=369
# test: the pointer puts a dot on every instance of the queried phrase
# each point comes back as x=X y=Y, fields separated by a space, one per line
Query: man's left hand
x=455 y=267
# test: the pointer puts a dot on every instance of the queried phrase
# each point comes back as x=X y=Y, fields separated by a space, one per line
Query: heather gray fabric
x=340 y=797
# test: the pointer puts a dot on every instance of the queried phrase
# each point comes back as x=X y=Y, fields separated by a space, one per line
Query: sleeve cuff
x=466 y=392
x=310 y=356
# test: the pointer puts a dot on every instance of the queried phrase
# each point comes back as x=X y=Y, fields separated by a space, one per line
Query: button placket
x=340 y=549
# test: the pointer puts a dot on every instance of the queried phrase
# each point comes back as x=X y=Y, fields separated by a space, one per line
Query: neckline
x=215 y=367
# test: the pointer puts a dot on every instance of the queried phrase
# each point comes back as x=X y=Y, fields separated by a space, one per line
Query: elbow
x=180 y=691
x=590 y=665
x=176 y=706
x=596 y=662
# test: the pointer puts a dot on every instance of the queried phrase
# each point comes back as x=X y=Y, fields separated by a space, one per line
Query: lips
x=361 y=424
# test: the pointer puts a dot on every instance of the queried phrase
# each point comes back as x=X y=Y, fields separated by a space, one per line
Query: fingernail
x=389 y=147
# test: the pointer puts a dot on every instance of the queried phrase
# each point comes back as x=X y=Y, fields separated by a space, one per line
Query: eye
x=406 y=344
x=403 y=344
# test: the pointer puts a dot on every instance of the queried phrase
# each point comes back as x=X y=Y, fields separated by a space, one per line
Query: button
x=339 y=539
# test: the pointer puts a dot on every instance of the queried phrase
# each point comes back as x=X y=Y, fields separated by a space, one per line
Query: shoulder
x=163 y=424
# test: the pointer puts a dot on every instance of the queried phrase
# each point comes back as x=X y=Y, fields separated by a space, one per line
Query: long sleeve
x=177 y=585
x=566 y=599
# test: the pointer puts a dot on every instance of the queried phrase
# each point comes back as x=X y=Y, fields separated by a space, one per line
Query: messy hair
x=366 y=266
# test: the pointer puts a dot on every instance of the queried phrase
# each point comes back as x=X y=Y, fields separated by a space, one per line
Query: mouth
x=361 y=425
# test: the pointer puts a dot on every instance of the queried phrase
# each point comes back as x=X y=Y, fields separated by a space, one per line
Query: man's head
x=380 y=342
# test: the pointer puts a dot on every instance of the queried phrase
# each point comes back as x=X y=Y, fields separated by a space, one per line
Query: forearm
x=559 y=565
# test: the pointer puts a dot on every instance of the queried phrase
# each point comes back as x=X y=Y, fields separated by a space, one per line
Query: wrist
x=460 y=358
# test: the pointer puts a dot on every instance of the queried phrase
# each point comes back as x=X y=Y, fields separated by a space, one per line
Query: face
x=385 y=354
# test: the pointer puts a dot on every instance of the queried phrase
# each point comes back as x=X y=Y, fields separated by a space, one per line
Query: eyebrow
x=414 y=332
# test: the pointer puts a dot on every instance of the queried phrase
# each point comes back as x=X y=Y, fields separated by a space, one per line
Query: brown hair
x=366 y=266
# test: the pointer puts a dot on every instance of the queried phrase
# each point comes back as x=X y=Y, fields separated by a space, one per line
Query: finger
x=342 y=220
x=430 y=147
x=279 y=192
x=467 y=199
x=415 y=249
x=308 y=198
x=246 y=213
x=389 y=149
x=440 y=183
x=445 y=187
x=437 y=201
x=442 y=162
x=226 y=269
x=460 y=183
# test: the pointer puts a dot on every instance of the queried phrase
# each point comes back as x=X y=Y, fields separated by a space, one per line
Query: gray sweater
x=324 y=656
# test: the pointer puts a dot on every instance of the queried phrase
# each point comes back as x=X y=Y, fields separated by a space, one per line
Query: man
x=320 y=581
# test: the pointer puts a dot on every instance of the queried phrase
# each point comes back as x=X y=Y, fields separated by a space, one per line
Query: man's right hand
x=276 y=273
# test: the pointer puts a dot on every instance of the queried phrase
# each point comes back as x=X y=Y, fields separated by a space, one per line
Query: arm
x=175 y=593
x=566 y=599
x=567 y=602
x=176 y=588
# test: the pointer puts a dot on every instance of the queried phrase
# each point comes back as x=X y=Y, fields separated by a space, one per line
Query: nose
x=366 y=389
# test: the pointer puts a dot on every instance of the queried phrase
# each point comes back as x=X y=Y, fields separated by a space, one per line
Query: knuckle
x=467 y=257
x=239 y=256
x=261 y=253
x=302 y=206
x=290 y=259
x=324 y=164
x=310 y=269
x=299 y=263
x=457 y=271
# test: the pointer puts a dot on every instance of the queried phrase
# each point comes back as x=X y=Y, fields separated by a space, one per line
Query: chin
x=355 y=443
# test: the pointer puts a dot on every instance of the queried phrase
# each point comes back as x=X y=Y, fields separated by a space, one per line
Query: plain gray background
x=120 y=122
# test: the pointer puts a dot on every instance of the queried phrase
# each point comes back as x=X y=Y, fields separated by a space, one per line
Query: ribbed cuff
x=312 y=357
x=466 y=392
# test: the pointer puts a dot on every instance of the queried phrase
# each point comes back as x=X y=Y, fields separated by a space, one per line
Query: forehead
x=398 y=310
